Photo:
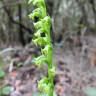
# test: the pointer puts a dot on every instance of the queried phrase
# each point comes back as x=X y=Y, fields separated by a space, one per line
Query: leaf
x=1 y=62
x=6 y=90
x=2 y=73
x=90 y=91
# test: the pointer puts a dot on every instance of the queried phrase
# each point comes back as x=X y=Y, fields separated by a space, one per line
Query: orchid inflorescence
x=42 y=25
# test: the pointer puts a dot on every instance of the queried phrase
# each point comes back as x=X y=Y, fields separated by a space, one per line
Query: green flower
x=47 y=88
x=43 y=23
x=39 y=32
x=42 y=83
x=41 y=41
x=47 y=49
x=40 y=60
x=38 y=12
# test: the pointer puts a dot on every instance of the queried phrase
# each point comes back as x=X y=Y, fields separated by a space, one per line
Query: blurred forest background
x=73 y=38
x=71 y=17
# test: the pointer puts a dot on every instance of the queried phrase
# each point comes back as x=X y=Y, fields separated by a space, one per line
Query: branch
x=82 y=8
x=15 y=22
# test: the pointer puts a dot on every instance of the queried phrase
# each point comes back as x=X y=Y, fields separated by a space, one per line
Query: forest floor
x=73 y=73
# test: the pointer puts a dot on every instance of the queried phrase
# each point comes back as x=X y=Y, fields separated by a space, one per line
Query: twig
x=9 y=50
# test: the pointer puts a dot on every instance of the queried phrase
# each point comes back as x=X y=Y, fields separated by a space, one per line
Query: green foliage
x=2 y=74
x=1 y=62
x=5 y=90
x=43 y=26
x=89 y=91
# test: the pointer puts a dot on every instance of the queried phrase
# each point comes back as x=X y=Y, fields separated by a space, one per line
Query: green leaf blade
x=90 y=91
